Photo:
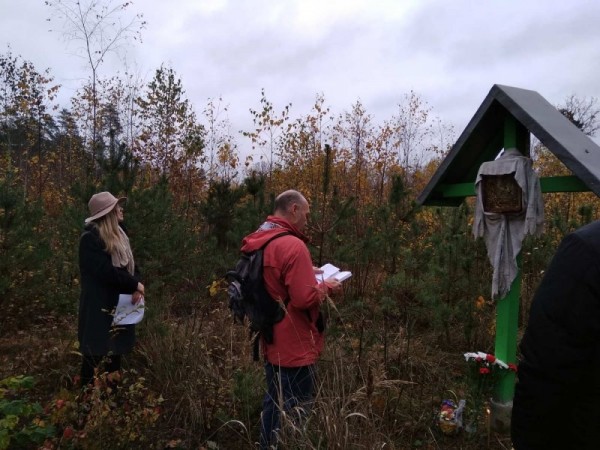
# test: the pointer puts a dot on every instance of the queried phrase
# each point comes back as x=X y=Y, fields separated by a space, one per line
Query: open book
x=329 y=271
x=126 y=312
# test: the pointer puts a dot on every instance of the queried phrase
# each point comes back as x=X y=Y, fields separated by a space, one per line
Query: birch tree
x=98 y=28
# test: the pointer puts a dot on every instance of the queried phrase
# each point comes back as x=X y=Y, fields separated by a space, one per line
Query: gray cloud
x=450 y=53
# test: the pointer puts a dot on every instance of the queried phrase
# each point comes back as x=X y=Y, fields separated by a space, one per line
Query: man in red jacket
x=289 y=277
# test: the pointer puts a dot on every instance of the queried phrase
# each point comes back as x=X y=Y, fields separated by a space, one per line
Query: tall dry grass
x=202 y=366
x=379 y=391
x=387 y=398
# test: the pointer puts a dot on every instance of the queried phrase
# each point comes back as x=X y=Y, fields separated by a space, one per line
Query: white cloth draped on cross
x=504 y=233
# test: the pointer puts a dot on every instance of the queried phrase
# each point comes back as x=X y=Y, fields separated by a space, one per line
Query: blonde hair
x=115 y=240
x=108 y=227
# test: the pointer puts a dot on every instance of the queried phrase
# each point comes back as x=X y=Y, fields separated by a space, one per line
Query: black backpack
x=248 y=297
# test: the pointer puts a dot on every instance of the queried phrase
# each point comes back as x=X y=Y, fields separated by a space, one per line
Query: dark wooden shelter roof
x=483 y=137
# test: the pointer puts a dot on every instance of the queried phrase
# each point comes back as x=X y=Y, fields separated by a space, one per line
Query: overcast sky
x=450 y=52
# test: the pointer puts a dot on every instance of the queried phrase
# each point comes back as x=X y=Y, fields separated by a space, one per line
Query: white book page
x=126 y=312
x=329 y=271
x=342 y=276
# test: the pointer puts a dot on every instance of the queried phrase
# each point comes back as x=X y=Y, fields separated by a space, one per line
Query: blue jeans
x=296 y=386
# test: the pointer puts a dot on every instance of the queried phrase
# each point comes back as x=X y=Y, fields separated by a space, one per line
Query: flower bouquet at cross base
x=485 y=370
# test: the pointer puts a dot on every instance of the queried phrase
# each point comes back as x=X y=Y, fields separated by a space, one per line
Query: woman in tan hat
x=107 y=270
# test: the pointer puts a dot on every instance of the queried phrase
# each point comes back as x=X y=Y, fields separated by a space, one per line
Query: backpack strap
x=273 y=238
x=256 y=336
x=286 y=301
x=320 y=322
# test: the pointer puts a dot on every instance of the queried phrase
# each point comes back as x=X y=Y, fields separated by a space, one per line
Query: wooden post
x=507 y=308
x=507 y=321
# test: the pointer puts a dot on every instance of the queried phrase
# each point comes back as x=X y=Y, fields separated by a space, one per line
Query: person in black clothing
x=557 y=397
x=107 y=270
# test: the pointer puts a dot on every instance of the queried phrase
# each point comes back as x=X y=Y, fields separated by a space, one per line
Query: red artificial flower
x=484 y=370
x=490 y=358
x=512 y=366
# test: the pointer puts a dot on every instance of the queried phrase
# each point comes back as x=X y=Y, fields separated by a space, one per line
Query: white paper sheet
x=127 y=313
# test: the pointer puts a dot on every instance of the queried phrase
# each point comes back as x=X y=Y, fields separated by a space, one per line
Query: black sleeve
x=96 y=262
x=564 y=322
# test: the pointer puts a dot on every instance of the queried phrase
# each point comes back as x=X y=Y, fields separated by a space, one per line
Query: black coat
x=101 y=284
x=557 y=397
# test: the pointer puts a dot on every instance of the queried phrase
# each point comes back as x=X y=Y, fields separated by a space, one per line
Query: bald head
x=292 y=206
x=286 y=199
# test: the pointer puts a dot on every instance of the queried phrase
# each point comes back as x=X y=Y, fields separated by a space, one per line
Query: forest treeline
x=191 y=198
x=420 y=281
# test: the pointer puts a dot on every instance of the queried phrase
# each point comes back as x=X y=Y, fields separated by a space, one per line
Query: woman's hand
x=137 y=297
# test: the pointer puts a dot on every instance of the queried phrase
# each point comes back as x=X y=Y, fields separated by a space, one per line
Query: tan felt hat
x=101 y=204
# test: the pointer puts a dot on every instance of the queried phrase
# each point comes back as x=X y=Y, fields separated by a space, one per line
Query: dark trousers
x=107 y=363
x=290 y=390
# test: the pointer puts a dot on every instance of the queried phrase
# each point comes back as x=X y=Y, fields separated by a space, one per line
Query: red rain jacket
x=289 y=275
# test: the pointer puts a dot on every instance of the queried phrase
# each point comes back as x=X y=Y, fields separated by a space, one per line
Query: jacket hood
x=272 y=227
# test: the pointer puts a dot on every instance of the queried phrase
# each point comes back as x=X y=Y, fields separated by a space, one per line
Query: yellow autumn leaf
x=214 y=288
